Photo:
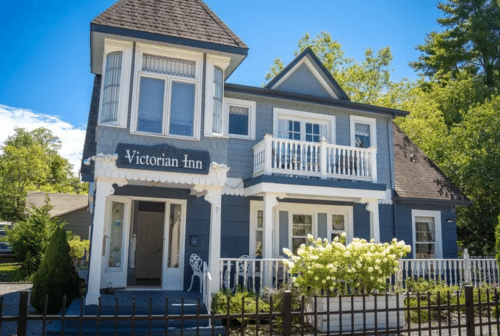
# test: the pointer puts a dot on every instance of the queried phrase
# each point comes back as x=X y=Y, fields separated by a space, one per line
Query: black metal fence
x=468 y=312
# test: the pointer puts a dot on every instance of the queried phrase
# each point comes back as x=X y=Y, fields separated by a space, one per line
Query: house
x=180 y=161
x=70 y=208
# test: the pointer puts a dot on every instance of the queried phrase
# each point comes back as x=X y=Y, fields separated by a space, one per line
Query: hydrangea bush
x=360 y=266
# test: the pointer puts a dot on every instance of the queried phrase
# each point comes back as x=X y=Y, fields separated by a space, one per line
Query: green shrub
x=78 y=250
x=497 y=238
x=27 y=269
x=56 y=276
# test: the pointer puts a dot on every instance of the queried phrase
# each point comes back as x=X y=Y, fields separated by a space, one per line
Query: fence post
x=286 y=313
x=469 y=310
x=23 y=313
x=468 y=268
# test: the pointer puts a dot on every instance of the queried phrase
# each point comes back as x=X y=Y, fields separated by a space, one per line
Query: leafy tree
x=497 y=239
x=56 y=276
x=469 y=42
x=32 y=235
x=30 y=161
x=368 y=81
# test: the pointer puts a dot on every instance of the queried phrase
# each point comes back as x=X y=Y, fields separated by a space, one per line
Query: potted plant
x=360 y=267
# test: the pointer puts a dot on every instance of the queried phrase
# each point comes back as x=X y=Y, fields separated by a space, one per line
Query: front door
x=149 y=250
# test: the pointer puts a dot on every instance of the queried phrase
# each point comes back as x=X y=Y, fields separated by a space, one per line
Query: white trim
x=364 y=120
x=298 y=208
x=252 y=110
x=346 y=194
x=313 y=70
x=437 y=220
x=325 y=119
x=211 y=63
x=126 y=68
x=197 y=80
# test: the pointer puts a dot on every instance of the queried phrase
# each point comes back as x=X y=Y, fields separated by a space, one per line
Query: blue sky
x=44 y=63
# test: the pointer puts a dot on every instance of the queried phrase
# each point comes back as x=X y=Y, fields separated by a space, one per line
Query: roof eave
x=252 y=90
x=433 y=201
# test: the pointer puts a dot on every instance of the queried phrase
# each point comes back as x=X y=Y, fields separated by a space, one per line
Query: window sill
x=240 y=137
x=112 y=125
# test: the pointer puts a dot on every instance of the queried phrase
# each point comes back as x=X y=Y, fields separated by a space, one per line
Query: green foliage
x=30 y=161
x=468 y=42
x=56 y=276
x=79 y=249
x=359 y=266
x=33 y=234
x=497 y=239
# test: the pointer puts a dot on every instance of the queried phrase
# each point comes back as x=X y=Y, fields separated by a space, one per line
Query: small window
x=116 y=234
x=259 y=233
x=301 y=227
x=425 y=243
x=338 y=226
x=362 y=135
x=238 y=120
x=111 y=90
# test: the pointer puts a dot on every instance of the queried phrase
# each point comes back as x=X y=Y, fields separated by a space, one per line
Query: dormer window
x=167 y=93
x=115 y=83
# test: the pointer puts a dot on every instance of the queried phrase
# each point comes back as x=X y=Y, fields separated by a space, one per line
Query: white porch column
x=214 y=197
x=270 y=201
x=104 y=188
x=372 y=207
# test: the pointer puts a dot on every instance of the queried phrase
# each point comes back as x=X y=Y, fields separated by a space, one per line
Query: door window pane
x=362 y=135
x=259 y=233
x=425 y=242
x=312 y=132
x=116 y=234
x=174 y=235
x=182 y=109
x=238 y=120
x=151 y=97
x=338 y=226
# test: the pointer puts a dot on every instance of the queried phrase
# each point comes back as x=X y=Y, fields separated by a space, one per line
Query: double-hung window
x=239 y=118
x=363 y=132
x=426 y=234
x=115 y=83
x=167 y=90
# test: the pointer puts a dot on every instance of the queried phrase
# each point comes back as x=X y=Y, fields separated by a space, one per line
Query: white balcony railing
x=315 y=159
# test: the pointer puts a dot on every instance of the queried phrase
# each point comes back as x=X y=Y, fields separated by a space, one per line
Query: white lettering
x=199 y=164
x=151 y=161
x=175 y=163
x=140 y=160
x=130 y=157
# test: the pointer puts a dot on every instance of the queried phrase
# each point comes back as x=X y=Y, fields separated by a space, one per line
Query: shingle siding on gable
x=303 y=81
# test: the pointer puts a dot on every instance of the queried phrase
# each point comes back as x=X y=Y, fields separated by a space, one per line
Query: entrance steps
x=135 y=321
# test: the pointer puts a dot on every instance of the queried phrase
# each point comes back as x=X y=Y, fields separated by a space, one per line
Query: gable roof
x=61 y=203
x=418 y=179
x=292 y=67
x=183 y=19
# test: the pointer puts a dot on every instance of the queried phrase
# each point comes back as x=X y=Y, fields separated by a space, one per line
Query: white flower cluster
x=360 y=266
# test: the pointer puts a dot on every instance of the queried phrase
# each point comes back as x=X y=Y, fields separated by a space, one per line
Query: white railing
x=252 y=274
x=455 y=272
x=207 y=283
x=315 y=159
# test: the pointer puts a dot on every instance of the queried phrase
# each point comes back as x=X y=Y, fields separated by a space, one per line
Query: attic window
x=169 y=66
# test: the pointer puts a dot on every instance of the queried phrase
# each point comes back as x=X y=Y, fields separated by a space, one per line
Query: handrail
x=207 y=279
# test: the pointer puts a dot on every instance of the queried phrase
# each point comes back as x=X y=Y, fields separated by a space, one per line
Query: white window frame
x=126 y=67
x=364 y=120
x=298 y=209
x=212 y=62
x=303 y=118
x=173 y=53
x=251 y=106
x=437 y=220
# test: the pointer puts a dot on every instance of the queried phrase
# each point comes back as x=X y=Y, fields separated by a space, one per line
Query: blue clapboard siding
x=361 y=220
x=303 y=81
x=235 y=226
x=448 y=229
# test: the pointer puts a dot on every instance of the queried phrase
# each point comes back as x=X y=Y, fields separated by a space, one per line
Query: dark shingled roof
x=61 y=203
x=89 y=148
x=188 y=19
x=417 y=177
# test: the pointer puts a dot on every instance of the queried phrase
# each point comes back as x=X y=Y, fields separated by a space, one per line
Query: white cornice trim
x=105 y=167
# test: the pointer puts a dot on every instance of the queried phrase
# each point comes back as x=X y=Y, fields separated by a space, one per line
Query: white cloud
x=72 y=138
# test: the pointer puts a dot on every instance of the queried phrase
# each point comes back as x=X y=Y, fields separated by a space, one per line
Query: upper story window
x=217 y=112
x=167 y=93
x=115 y=83
x=239 y=118
x=363 y=132
x=303 y=126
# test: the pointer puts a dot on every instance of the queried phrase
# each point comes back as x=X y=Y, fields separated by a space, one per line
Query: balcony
x=314 y=159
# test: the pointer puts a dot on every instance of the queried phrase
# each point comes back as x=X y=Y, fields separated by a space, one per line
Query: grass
x=7 y=269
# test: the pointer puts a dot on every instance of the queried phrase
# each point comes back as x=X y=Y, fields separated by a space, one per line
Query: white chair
x=197 y=266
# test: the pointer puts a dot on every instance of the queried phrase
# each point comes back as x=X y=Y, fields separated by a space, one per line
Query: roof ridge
x=221 y=23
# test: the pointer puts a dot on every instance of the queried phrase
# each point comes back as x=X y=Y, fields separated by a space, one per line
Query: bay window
x=167 y=94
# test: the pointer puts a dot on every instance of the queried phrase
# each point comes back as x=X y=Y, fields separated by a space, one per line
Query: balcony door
x=302 y=130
